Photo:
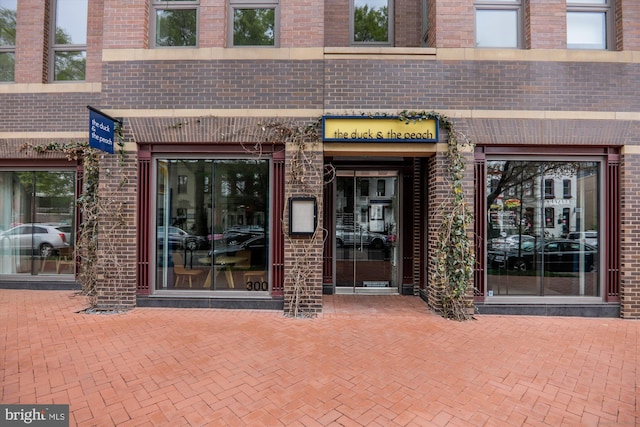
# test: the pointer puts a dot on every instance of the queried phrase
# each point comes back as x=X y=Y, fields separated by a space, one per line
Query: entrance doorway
x=366 y=232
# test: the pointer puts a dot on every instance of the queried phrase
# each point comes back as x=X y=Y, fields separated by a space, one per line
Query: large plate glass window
x=70 y=40
x=372 y=22
x=498 y=23
x=588 y=24
x=211 y=227
x=8 y=11
x=175 y=23
x=543 y=222
x=37 y=222
x=254 y=23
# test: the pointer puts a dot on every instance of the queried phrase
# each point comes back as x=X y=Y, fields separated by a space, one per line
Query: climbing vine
x=306 y=176
x=454 y=259
x=95 y=203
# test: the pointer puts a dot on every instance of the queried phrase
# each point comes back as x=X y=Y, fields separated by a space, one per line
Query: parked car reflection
x=554 y=255
x=256 y=245
x=34 y=239
x=348 y=236
x=510 y=242
x=177 y=238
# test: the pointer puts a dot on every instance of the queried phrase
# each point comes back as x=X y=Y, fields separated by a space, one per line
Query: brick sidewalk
x=366 y=361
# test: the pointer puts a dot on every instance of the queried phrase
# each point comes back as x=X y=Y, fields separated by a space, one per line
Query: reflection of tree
x=7 y=67
x=371 y=25
x=69 y=64
x=51 y=189
x=7 y=38
x=247 y=183
x=509 y=174
x=7 y=27
x=176 y=28
x=253 y=27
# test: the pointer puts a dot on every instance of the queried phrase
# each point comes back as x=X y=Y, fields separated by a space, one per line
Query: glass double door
x=366 y=230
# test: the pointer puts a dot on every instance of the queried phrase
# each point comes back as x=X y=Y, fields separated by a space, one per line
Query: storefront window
x=212 y=225
x=37 y=222
x=537 y=242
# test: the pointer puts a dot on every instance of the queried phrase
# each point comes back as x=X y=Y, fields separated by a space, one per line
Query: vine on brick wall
x=94 y=204
x=303 y=173
x=454 y=259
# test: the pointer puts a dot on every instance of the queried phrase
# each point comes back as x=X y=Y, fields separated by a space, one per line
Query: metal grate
x=144 y=187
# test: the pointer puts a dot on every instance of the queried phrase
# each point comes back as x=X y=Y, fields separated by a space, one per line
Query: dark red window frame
x=611 y=212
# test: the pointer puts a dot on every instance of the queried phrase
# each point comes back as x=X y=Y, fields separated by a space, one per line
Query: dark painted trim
x=571 y=310
x=42 y=286
x=228 y=303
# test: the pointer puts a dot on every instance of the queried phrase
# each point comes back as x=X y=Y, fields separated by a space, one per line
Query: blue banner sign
x=101 y=131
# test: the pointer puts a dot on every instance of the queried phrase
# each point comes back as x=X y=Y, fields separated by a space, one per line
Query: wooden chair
x=65 y=257
x=246 y=267
x=180 y=270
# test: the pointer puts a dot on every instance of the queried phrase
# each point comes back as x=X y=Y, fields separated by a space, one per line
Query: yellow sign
x=377 y=129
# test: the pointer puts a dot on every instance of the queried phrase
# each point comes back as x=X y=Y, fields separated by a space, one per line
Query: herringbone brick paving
x=366 y=361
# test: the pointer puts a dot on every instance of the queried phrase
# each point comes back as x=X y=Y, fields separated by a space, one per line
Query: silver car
x=38 y=239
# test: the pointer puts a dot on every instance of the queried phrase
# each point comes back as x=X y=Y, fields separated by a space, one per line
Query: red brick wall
x=303 y=256
x=408 y=23
x=31 y=42
x=94 y=41
x=301 y=23
x=336 y=23
x=212 y=19
x=546 y=24
x=454 y=23
x=627 y=18
x=126 y=24
x=630 y=237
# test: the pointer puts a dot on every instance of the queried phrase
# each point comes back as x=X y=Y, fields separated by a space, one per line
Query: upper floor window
x=8 y=10
x=254 y=22
x=588 y=24
x=549 y=189
x=175 y=23
x=372 y=22
x=69 y=45
x=566 y=188
x=498 y=23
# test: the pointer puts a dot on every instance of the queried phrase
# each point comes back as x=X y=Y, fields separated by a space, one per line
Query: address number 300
x=257 y=286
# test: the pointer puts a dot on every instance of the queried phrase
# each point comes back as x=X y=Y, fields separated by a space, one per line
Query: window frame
x=566 y=189
x=254 y=4
x=390 y=30
x=157 y=5
x=585 y=7
x=550 y=185
x=604 y=219
x=504 y=5
x=57 y=48
x=157 y=285
x=11 y=50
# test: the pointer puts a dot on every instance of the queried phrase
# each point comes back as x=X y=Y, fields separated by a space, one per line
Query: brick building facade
x=551 y=109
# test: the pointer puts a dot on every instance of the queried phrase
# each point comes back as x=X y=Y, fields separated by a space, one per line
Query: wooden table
x=225 y=263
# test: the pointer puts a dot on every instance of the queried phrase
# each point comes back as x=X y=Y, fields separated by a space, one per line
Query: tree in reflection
x=253 y=27
x=371 y=24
